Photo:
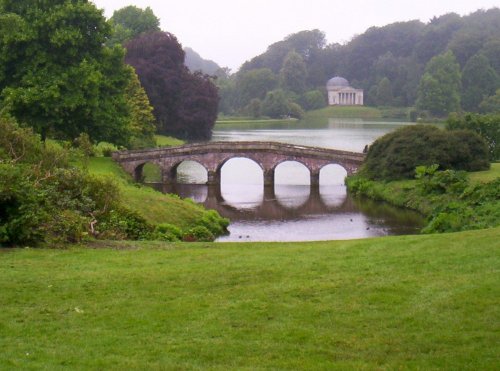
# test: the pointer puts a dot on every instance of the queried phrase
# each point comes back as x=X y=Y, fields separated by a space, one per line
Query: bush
x=487 y=126
x=449 y=181
x=198 y=234
x=105 y=149
x=397 y=154
x=167 y=232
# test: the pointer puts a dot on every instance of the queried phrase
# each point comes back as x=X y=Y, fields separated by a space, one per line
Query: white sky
x=232 y=31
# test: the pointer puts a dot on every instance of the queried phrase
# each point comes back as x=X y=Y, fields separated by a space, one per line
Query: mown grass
x=407 y=302
x=249 y=120
x=166 y=141
x=487 y=175
x=345 y=112
x=152 y=205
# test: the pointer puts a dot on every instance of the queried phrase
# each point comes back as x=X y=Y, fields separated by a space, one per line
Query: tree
x=275 y=104
x=479 y=81
x=142 y=121
x=255 y=84
x=397 y=154
x=491 y=104
x=384 y=92
x=313 y=99
x=293 y=74
x=439 y=89
x=198 y=108
x=56 y=75
x=130 y=22
x=183 y=103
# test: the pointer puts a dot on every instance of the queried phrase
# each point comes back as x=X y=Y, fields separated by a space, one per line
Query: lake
x=292 y=210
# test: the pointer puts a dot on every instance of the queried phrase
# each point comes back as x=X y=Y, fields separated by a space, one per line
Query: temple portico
x=340 y=93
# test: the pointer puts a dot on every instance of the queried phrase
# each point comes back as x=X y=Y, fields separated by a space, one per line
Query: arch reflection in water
x=241 y=184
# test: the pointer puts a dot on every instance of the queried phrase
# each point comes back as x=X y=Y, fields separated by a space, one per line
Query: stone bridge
x=213 y=155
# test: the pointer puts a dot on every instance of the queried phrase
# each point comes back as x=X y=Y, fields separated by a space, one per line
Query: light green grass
x=412 y=302
x=487 y=175
x=345 y=112
x=255 y=121
x=165 y=141
x=153 y=205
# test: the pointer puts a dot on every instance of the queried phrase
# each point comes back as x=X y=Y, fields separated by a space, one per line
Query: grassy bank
x=166 y=141
x=152 y=205
x=412 y=302
x=475 y=205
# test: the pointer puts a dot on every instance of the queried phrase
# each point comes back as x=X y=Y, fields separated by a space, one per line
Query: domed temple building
x=340 y=93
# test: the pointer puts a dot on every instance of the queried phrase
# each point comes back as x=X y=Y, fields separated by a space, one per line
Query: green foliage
x=384 y=95
x=105 y=149
x=142 y=124
x=491 y=104
x=313 y=100
x=214 y=223
x=439 y=89
x=397 y=154
x=295 y=110
x=167 y=232
x=254 y=108
x=255 y=84
x=198 y=234
x=276 y=104
x=58 y=78
x=488 y=126
x=45 y=201
x=130 y=22
x=479 y=81
x=439 y=182
x=293 y=74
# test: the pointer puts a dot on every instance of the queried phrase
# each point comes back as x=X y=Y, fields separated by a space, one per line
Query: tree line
x=445 y=65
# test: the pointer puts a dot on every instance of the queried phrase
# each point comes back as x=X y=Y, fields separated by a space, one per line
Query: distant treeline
x=401 y=64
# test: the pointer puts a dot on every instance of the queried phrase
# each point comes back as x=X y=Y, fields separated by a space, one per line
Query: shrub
x=488 y=126
x=448 y=181
x=397 y=154
x=199 y=234
x=167 y=232
x=212 y=221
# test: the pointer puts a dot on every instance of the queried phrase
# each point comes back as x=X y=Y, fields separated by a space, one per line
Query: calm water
x=291 y=210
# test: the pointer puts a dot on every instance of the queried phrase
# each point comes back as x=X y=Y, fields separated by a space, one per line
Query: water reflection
x=297 y=212
x=291 y=210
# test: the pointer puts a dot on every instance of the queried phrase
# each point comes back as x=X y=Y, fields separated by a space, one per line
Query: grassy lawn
x=487 y=175
x=153 y=205
x=244 y=120
x=345 y=112
x=165 y=141
x=409 y=302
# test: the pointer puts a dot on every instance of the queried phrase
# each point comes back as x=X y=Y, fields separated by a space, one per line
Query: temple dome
x=337 y=82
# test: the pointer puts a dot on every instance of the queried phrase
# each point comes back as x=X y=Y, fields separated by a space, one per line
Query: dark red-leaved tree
x=185 y=104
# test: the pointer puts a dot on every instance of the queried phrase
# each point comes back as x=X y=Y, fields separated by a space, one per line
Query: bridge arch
x=231 y=159
x=189 y=165
x=332 y=174
x=290 y=169
x=139 y=173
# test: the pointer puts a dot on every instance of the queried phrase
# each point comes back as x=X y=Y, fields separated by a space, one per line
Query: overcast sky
x=232 y=31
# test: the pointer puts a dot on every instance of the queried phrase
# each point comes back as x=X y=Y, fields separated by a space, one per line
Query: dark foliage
x=398 y=52
x=183 y=103
x=488 y=126
x=45 y=201
x=397 y=154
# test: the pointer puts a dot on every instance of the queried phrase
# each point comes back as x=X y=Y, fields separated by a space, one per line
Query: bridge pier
x=213 y=177
x=269 y=177
x=314 y=178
